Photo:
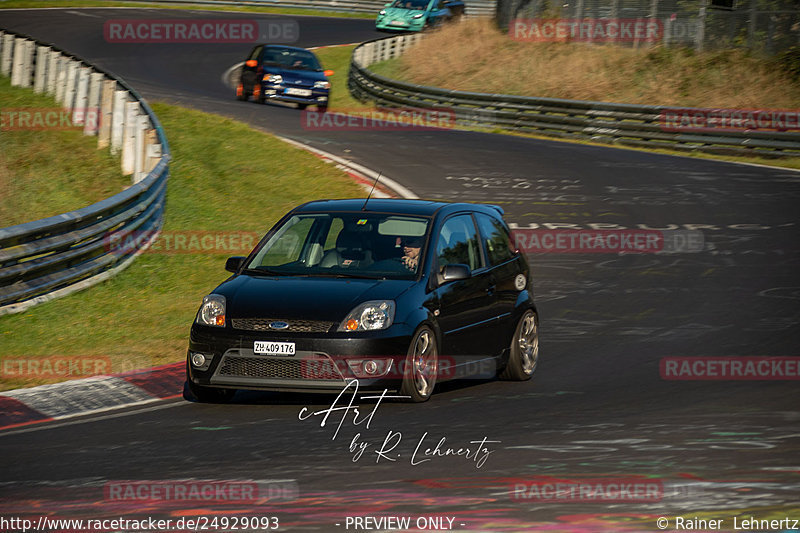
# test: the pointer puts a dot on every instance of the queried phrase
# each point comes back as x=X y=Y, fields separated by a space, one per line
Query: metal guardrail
x=51 y=257
x=626 y=124
x=474 y=7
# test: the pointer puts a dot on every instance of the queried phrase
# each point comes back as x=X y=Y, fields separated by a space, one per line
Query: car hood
x=399 y=13
x=308 y=298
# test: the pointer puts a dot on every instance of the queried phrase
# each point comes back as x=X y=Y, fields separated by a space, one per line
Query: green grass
x=46 y=172
x=31 y=4
x=337 y=58
x=225 y=177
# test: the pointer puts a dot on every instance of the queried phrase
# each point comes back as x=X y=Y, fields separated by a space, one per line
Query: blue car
x=285 y=73
x=416 y=15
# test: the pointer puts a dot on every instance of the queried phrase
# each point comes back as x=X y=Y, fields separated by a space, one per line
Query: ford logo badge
x=278 y=325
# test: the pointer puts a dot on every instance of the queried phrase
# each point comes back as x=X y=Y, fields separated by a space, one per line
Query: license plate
x=298 y=92
x=397 y=23
x=273 y=348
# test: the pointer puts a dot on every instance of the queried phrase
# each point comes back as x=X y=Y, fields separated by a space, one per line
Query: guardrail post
x=92 y=115
x=40 y=75
x=76 y=259
x=153 y=151
x=8 y=50
x=129 y=138
x=140 y=148
x=106 y=113
x=118 y=120
x=81 y=93
x=69 y=90
x=52 y=61
x=20 y=69
x=61 y=79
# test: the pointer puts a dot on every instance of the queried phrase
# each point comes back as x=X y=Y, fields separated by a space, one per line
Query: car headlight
x=382 y=12
x=369 y=316
x=212 y=311
x=322 y=85
x=417 y=16
x=275 y=78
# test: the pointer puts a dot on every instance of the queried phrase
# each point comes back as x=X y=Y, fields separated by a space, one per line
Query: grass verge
x=337 y=58
x=47 y=171
x=32 y=4
x=225 y=177
x=487 y=60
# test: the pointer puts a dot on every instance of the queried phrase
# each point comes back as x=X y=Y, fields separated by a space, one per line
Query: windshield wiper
x=342 y=275
x=263 y=271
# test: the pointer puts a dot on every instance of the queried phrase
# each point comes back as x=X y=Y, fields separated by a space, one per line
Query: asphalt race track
x=598 y=405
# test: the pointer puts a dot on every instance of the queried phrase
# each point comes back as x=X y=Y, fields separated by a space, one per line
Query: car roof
x=395 y=205
x=283 y=46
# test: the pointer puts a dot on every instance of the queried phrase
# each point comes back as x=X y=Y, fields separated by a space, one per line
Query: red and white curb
x=69 y=399
x=366 y=177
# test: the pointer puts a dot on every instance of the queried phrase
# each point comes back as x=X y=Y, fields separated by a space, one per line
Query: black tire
x=302 y=106
x=421 y=366
x=198 y=393
x=524 y=352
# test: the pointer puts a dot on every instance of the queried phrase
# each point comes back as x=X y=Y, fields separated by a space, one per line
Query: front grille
x=255 y=367
x=295 y=326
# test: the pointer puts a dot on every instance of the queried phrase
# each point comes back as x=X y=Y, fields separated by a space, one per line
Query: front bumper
x=321 y=363
x=318 y=97
x=386 y=24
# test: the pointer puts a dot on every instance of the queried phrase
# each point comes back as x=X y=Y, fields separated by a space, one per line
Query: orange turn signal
x=352 y=325
x=328 y=73
x=251 y=63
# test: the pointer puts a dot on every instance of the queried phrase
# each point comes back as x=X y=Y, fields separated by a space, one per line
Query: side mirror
x=455 y=272
x=252 y=63
x=233 y=264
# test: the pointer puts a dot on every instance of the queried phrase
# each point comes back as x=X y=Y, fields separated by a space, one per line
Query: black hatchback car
x=395 y=294
x=285 y=73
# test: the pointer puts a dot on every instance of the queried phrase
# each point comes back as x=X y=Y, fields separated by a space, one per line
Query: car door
x=436 y=14
x=504 y=267
x=251 y=69
x=465 y=306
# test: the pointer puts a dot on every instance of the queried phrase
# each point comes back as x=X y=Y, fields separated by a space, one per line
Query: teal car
x=417 y=15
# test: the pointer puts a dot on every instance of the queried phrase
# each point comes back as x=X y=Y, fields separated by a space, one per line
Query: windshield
x=291 y=59
x=361 y=245
x=417 y=5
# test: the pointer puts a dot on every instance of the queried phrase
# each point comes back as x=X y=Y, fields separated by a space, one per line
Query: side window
x=495 y=238
x=458 y=243
x=256 y=51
